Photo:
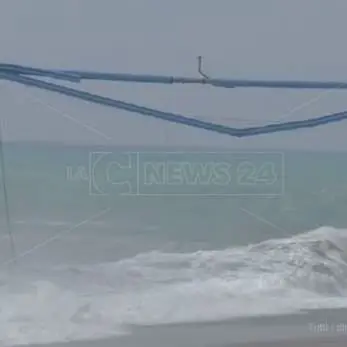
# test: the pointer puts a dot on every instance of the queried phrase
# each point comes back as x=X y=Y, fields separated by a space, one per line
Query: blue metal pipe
x=19 y=74
x=172 y=117
x=79 y=75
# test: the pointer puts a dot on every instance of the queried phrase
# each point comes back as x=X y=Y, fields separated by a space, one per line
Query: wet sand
x=319 y=328
x=322 y=342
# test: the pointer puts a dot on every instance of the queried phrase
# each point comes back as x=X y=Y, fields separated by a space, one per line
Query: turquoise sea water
x=111 y=237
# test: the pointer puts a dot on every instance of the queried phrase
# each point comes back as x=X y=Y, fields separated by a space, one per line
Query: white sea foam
x=280 y=276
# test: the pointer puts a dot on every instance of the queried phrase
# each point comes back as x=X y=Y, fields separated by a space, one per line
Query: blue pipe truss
x=24 y=75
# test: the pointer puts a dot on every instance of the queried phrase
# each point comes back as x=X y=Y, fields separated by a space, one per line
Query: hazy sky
x=270 y=39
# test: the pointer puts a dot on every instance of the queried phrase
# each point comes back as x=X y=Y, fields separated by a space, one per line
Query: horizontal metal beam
x=79 y=75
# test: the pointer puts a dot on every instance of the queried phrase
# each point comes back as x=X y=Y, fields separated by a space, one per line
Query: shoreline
x=316 y=328
x=338 y=341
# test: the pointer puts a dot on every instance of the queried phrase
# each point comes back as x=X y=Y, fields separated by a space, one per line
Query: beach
x=319 y=328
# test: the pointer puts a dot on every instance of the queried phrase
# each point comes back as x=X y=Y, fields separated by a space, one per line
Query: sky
x=268 y=39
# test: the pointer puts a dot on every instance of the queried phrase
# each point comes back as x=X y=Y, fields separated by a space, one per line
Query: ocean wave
x=277 y=276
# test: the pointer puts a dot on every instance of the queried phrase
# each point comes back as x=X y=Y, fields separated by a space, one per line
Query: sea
x=99 y=241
